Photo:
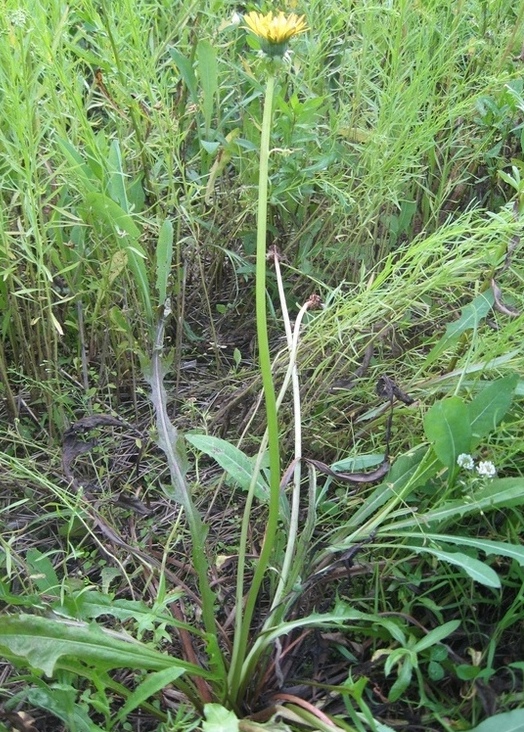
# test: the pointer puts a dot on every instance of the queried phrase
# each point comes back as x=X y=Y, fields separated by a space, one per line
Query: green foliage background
x=129 y=134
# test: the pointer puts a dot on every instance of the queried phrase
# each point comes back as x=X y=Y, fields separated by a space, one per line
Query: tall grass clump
x=129 y=131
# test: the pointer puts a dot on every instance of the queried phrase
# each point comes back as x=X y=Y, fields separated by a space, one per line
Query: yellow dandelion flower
x=274 y=31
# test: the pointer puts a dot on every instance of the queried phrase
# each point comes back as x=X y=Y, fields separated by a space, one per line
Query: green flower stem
x=289 y=569
x=244 y=619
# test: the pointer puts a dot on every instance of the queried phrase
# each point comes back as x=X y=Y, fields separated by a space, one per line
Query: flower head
x=274 y=31
x=18 y=17
x=465 y=461
x=487 y=469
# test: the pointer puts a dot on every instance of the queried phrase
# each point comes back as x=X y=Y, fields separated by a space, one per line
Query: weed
x=139 y=208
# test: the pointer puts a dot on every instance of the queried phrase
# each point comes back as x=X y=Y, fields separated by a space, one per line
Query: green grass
x=129 y=138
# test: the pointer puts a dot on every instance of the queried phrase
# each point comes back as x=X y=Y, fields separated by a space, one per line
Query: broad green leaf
x=499 y=493
x=506 y=722
x=397 y=657
x=498 y=548
x=90 y=605
x=466 y=672
x=42 y=572
x=77 y=165
x=476 y=569
x=394 y=629
x=402 y=682
x=219 y=719
x=96 y=153
x=359 y=462
x=137 y=266
x=413 y=469
x=112 y=214
x=221 y=162
x=164 y=256
x=470 y=317
x=117 y=178
x=447 y=426
x=210 y=146
x=208 y=73
x=435 y=671
x=151 y=685
x=135 y=194
x=44 y=642
x=489 y=407
x=102 y=209
x=61 y=702
x=8 y=597
x=116 y=265
x=519 y=389
x=119 y=322
x=236 y=464
x=341 y=616
x=382 y=727
x=186 y=72
x=436 y=635
x=402 y=472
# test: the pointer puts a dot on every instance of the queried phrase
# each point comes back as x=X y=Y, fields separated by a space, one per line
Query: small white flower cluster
x=485 y=468
x=465 y=461
x=18 y=17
